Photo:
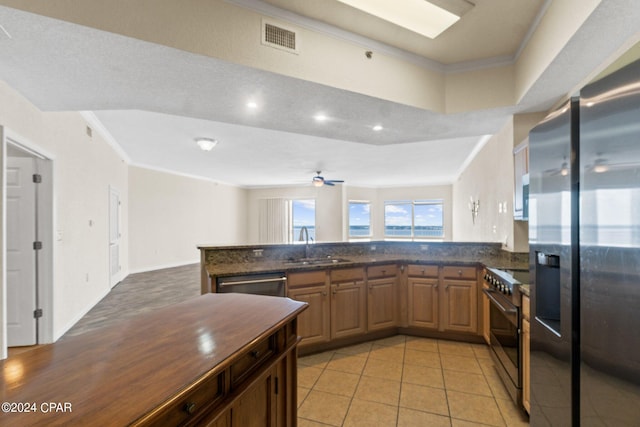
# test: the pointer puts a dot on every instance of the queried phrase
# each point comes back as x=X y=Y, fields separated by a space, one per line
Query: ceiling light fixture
x=320 y=117
x=428 y=18
x=378 y=128
x=600 y=166
x=253 y=105
x=206 y=144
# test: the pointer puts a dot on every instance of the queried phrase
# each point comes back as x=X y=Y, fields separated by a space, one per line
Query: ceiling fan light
x=564 y=169
x=318 y=182
x=206 y=144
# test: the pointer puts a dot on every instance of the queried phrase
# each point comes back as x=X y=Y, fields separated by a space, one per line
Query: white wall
x=83 y=169
x=489 y=179
x=170 y=215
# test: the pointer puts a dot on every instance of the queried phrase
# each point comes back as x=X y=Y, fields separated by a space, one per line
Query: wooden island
x=215 y=360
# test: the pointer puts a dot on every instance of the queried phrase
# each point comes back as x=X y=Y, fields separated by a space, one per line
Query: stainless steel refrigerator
x=584 y=231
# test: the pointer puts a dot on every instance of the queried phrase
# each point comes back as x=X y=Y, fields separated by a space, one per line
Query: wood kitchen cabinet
x=526 y=349
x=486 y=326
x=337 y=303
x=312 y=287
x=422 y=295
x=382 y=297
x=459 y=299
x=348 y=302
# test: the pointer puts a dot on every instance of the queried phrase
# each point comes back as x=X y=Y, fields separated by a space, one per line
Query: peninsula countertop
x=117 y=374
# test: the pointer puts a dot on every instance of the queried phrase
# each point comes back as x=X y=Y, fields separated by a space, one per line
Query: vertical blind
x=273 y=217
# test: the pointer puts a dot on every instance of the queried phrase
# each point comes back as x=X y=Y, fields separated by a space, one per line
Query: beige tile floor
x=404 y=381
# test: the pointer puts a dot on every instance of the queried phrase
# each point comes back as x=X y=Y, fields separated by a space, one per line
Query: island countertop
x=116 y=375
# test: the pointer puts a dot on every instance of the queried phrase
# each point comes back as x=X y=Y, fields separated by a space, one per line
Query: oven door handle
x=502 y=308
x=251 y=282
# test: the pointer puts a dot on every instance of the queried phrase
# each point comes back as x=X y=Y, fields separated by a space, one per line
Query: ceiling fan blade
x=335 y=181
x=328 y=183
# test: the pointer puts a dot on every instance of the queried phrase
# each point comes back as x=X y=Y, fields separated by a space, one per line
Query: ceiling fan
x=319 y=181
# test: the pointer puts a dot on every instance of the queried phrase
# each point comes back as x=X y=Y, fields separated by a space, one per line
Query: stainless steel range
x=504 y=325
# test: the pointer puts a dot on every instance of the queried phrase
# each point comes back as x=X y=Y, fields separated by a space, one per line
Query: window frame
x=370 y=224
x=413 y=204
x=291 y=226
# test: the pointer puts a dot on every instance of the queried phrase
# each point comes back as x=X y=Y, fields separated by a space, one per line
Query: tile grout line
x=356 y=389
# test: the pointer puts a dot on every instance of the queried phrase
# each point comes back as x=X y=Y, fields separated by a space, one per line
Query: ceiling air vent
x=280 y=37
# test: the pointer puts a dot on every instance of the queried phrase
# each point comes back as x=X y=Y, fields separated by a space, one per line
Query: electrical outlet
x=424 y=247
x=373 y=247
x=257 y=253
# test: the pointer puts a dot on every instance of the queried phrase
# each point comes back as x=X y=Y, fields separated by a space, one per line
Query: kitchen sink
x=315 y=261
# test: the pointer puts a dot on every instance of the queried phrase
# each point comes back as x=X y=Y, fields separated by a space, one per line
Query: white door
x=114 y=236
x=21 y=256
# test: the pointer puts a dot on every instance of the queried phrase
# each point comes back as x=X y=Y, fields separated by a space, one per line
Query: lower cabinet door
x=348 y=309
x=381 y=304
x=257 y=405
x=423 y=302
x=460 y=306
x=313 y=323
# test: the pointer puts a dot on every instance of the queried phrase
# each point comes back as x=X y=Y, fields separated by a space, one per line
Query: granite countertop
x=268 y=266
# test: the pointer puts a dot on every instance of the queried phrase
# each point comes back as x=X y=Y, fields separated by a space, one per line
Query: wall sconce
x=474 y=206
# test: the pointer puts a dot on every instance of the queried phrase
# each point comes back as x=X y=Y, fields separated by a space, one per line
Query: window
x=303 y=214
x=418 y=219
x=359 y=219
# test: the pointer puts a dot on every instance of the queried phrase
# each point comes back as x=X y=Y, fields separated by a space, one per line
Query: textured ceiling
x=154 y=116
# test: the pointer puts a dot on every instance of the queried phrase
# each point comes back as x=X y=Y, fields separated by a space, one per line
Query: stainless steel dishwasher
x=261 y=284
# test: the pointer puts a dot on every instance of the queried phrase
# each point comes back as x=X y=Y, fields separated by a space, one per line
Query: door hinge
x=37 y=246
x=276 y=385
x=37 y=178
x=37 y=313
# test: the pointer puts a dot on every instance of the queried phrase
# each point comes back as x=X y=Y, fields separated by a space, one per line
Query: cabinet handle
x=255 y=354
x=384 y=271
x=324 y=293
x=370 y=287
x=334 y=292
x=459 y=272
x=423 y=271
x=435 y=287
x=190 y=407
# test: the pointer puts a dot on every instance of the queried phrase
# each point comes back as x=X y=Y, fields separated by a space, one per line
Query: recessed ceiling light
x=206 y=144
x=320 y=117
x=420 y=16
x=252 y=104
x=378 y=128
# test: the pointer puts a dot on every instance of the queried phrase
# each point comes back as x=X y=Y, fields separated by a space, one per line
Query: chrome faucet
x=304 y=236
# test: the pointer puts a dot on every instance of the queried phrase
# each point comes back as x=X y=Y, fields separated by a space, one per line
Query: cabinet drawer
x=306 y=279
x=251 y=360
x=347 y=274
x=388 y=270
x=526 y=312
x=459 y=272
x=202 y=398
x=423 y=270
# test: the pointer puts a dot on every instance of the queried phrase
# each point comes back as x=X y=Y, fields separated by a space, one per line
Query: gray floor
x=139 y=293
